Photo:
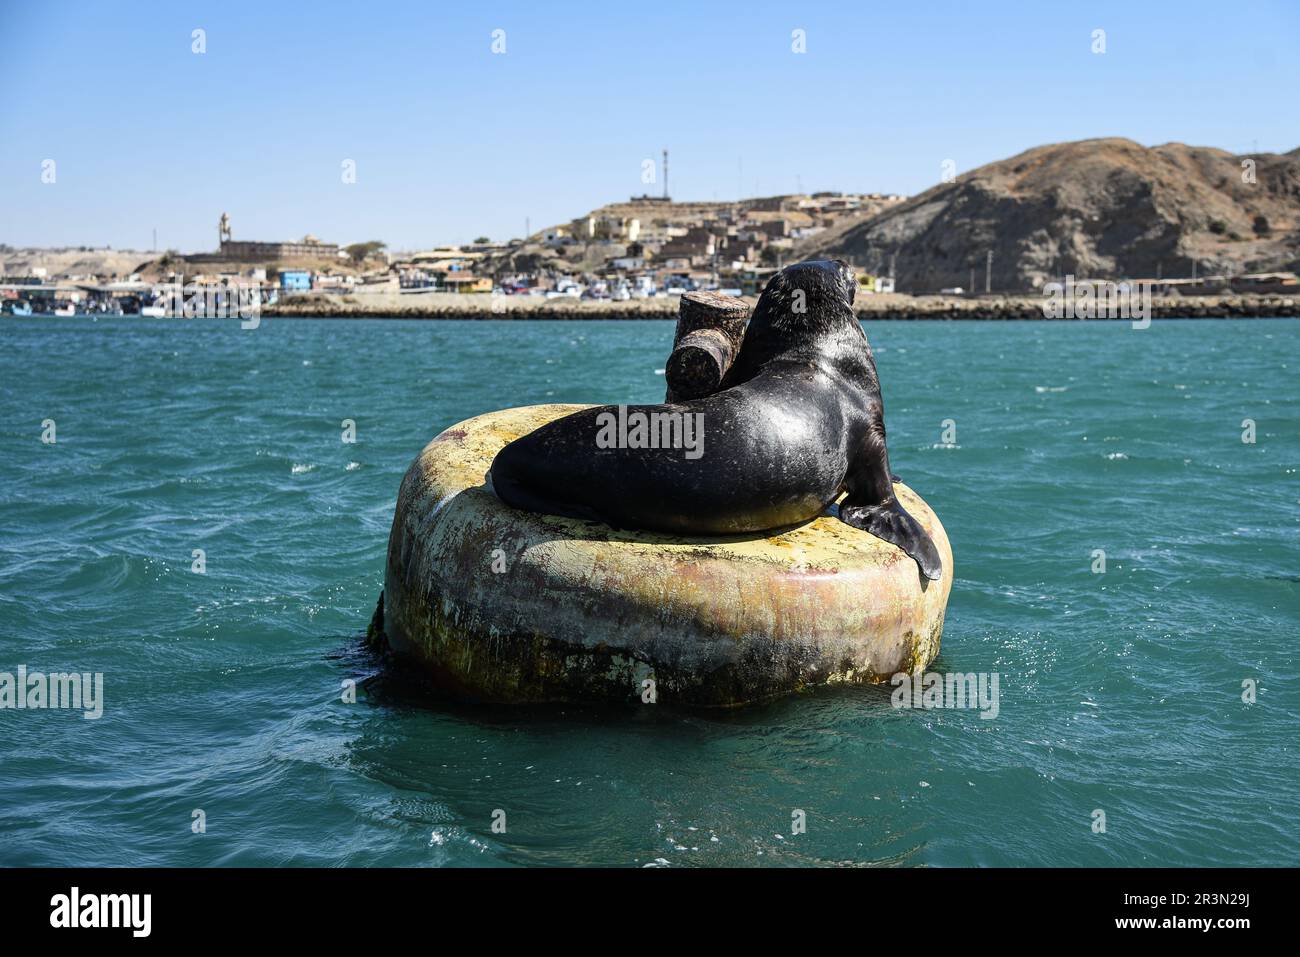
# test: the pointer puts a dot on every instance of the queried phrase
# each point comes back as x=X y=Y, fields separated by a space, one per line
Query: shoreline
x=898 y=307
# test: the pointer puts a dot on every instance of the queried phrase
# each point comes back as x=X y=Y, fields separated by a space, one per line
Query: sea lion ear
x=848 y=279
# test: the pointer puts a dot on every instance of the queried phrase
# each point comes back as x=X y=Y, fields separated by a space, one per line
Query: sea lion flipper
x=871 y=505
x=892 y=523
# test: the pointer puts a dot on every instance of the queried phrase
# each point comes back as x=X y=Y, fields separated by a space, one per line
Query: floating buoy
x=501 y=605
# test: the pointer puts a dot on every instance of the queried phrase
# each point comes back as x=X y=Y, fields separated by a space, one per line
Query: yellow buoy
x=502 y=605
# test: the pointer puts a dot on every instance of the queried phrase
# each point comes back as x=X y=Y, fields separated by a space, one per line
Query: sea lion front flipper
x=871 y=505
x=892 y=523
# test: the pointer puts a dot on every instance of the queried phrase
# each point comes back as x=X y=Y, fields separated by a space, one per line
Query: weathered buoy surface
x=501 y=605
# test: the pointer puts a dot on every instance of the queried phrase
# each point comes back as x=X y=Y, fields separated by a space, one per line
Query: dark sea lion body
x=797 y=421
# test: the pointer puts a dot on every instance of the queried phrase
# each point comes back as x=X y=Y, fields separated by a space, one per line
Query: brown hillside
x=1099 y=209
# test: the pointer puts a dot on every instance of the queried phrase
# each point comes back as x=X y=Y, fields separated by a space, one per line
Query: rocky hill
x=1097 y=209
x=73 y=261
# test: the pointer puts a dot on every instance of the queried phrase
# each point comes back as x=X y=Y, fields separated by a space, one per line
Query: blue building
x=293 y=279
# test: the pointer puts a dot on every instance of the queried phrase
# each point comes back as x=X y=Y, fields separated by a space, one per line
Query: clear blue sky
x=451 y=141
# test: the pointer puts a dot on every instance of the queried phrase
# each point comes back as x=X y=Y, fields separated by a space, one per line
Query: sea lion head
x=809 y=297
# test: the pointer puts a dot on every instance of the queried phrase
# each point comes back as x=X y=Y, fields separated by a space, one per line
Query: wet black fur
x=797 y=421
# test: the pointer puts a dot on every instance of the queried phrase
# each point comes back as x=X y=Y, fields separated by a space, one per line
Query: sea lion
x=797 y=420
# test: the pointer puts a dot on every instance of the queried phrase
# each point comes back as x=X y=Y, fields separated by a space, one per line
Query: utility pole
x=528 y=231
x=665 y=175
x=970 y=290
x=988 y=272
x=892 y=257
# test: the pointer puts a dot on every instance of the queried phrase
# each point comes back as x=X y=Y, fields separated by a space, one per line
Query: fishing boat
x=565 y=289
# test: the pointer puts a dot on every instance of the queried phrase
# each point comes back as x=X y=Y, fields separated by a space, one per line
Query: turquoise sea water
x=1120 y=692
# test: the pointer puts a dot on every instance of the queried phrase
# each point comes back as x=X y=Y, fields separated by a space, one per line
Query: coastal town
x=644 y=249
x=989 y=244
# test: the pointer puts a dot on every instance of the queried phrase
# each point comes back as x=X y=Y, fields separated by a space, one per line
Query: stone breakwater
x=869 y=307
